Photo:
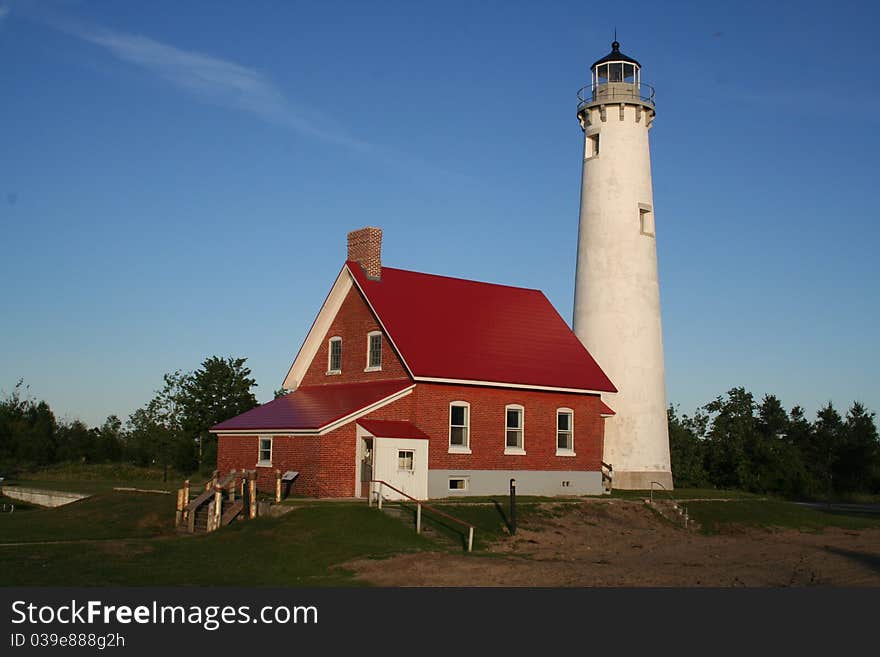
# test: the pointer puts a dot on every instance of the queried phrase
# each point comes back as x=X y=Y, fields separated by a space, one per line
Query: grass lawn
x=686 y=494
x=297 y=549
x=720 y=517
x=94 y=485
x=99 y=478
x=127 y=539
x=105 y=515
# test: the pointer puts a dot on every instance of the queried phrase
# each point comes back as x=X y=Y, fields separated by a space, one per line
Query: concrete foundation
x=40 y=496
x=641 y=480
x=528 y=482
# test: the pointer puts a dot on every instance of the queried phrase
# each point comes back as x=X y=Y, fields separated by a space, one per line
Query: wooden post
x=252 y=494
x=380 y=496
x=218 y=506
x=418 y=518
x=513 y=506
x=277 y=486
x=178 y=515
x=470 y=538
x=184 y=512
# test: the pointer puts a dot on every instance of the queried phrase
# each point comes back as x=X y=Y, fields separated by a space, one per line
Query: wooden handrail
x=421 y=504
x=201 y=499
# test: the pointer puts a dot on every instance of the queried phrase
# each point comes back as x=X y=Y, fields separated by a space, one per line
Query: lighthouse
x=617 y=292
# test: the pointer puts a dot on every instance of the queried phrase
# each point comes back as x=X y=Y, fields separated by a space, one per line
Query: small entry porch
x=395 y=452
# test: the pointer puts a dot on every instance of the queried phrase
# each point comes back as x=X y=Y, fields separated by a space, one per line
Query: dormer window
x=374 y=351
x=334 y=356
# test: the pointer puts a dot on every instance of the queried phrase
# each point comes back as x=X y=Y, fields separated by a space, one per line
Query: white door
x=403 y=463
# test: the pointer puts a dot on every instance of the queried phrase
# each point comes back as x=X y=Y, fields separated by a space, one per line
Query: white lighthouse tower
x=617 y=293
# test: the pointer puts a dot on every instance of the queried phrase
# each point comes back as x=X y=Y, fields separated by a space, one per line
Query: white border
x=460 y=449
x=561 y=451
x=374 y=368
x=330 y=342
x=521 y=449
x=262 y=463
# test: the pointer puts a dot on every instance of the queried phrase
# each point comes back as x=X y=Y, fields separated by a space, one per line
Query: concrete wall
x=617 y=292
x=528 y=482
x=41 y=496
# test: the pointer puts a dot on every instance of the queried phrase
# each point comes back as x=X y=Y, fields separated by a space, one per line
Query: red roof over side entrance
x=393 y=429
x=451 y=328
x=313 y=407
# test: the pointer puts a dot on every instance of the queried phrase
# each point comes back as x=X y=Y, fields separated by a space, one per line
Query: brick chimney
x=365 y=248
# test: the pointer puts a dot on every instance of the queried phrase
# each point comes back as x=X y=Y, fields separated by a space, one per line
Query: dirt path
x=623 y=543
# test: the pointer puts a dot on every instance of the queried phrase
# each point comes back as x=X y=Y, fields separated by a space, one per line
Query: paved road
x=849 y=508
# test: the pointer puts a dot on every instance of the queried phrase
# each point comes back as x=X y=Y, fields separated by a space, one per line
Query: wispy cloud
x=4 y=12
x=219 y=81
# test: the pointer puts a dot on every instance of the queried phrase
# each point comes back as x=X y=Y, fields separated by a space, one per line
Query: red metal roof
x=313 y=407
x=451 y=328
x=392 y=429
x=605 y=410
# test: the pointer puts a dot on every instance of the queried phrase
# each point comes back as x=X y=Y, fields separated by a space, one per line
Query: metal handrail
x=674 y=501
x=615 y=91
x=419 y=505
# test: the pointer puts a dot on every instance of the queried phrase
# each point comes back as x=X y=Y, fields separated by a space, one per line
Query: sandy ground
x=624 y=543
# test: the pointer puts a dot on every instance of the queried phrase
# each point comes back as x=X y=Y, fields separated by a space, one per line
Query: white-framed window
x=459 y=427
x=264 y=455
x=334 y=356
x=405 y=460
x=646 y=220
x=564 y=432
x=514 y=429
x=374 y=351
x=591 y=146
x=458 y=484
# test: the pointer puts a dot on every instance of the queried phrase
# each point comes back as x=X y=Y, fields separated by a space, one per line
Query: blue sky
x=177 y=179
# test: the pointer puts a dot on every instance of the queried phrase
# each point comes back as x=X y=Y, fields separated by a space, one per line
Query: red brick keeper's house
x=439 y=386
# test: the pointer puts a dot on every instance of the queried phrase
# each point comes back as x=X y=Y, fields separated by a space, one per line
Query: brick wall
x=352 y=323
x=487 y=428
x=327 y=464
x=365 y=248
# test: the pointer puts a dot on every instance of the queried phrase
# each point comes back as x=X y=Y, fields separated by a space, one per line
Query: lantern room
x=616 y=78
x=615 y=67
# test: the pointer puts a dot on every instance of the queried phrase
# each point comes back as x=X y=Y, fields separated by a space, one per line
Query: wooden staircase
x=221 y=502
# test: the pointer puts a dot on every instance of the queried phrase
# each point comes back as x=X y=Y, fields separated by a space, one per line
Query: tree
x=779 y=465
x=732 y=429
x=28 y=430
x=155 y=432
x=856 y=462
x=824 y=449
x=686 y=449
x=220 y=389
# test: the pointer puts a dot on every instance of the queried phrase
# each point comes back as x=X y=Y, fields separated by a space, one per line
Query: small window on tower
x=646 y=220
x=592 y=146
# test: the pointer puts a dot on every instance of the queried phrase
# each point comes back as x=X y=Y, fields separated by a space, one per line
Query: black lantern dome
x=615 y=56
